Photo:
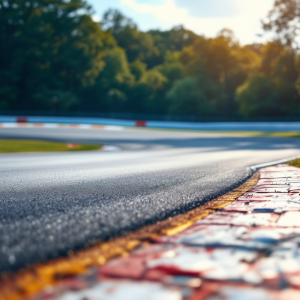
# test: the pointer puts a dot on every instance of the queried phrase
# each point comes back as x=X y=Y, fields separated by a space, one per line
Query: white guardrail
x=205 y=126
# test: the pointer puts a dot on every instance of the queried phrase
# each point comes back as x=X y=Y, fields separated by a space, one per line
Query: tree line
x=54 y=57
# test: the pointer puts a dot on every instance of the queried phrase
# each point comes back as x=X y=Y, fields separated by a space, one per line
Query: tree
x=50 y=49
x=109 y=93
x=189 y=96
x=173 y=40
x=172 y=68
x=137 y=45
x=138 y=69
x=153 y=84
x=257 y=97
x=284 y=19
x=272 y=91
x=223 y=65
x=53 y=56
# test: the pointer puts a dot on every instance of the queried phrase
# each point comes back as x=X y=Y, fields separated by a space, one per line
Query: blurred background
x=162 y=60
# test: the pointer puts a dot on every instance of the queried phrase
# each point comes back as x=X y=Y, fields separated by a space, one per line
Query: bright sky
x=201 y=16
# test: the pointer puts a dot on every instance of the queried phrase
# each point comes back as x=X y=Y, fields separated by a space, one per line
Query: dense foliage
x=53 y=56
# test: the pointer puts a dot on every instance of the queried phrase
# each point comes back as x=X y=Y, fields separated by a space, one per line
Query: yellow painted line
x=28 y=282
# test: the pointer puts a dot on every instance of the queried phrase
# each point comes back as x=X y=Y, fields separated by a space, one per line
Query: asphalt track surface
x=51 y=203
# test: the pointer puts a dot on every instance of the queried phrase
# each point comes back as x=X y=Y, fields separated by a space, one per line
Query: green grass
x=14 y=146
x=243 y=133
x=271 y=134
x=295 y=163
x=281 y=134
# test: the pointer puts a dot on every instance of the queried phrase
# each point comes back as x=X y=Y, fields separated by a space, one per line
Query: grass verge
x=15 y=146
x=292 y=134
x=295 y=162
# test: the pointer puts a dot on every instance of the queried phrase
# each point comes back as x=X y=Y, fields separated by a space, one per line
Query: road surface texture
x=51 y=203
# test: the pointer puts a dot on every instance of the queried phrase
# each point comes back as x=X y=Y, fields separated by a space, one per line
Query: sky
x=204 y=17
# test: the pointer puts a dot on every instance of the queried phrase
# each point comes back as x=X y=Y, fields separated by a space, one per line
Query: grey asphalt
x=51 y=203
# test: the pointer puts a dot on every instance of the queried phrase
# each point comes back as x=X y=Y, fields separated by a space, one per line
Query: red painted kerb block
x=141 y=123
x=21 y=120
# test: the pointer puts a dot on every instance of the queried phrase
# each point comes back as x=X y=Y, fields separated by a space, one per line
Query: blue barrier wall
x=209 y=126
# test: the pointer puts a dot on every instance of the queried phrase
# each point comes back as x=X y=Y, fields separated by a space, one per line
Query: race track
x=51 y=203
